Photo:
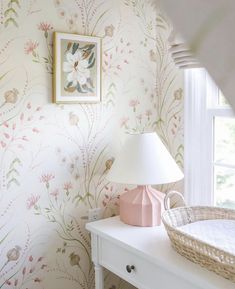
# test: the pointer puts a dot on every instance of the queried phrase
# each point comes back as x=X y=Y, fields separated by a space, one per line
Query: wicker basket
x=210 y=257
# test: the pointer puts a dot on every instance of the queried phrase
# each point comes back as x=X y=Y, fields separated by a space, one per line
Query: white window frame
x=199 y=112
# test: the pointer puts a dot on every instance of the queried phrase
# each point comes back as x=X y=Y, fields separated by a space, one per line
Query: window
x=209 y=143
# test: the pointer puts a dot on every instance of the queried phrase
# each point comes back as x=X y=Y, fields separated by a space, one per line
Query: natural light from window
x=209 y=143
x=224 y=158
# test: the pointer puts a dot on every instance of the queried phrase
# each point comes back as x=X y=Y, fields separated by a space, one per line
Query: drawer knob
x=129 y=268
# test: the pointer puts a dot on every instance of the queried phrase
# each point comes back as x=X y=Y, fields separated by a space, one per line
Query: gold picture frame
x=77 y=68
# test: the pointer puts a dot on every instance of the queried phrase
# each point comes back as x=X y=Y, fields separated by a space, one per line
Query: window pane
x=222 y=100
x=225 y=187
x=224 y=131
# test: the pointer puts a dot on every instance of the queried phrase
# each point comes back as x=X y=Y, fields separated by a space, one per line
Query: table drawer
x=145 y=275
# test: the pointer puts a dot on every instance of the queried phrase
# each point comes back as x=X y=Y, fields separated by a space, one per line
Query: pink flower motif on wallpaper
x=27 y=274
x=143 y=120
x=30 y=47
x=134 y=103
x=55 y=193
x=68 y=186
x=15 y=133
x=46 y=178
x=32 y=201
x=45 y=26
x=111 y=200
x=115 y=59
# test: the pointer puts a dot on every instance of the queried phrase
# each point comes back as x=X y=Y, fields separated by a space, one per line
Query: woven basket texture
x=197 y=251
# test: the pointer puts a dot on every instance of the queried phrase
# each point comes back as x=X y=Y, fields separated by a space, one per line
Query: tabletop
x=153 y=244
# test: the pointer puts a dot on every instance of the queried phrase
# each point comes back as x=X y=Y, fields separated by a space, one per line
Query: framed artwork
x=77 y=68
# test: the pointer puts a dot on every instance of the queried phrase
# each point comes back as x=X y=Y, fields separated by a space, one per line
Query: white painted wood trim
x=201 y=106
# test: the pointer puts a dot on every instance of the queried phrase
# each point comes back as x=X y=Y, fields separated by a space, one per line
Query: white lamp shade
x=144 y=160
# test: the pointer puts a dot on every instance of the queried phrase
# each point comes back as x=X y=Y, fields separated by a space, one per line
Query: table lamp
x=143 y=161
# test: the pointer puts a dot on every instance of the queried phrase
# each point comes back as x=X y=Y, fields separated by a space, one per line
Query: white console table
x=143 y=257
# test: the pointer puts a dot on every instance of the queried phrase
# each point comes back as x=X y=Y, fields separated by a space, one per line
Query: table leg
x=99 y=277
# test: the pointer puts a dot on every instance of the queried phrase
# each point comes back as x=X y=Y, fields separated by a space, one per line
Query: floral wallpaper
x=54 y=158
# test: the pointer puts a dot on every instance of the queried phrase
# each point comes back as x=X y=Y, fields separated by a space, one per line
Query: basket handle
x=179 y=200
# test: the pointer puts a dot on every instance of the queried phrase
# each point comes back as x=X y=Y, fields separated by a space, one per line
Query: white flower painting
x=76 y=68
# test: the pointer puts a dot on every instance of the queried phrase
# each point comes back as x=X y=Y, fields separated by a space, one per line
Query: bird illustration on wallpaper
x=77 y=68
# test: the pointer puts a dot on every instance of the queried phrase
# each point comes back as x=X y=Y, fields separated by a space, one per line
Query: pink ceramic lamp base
x=142 y=206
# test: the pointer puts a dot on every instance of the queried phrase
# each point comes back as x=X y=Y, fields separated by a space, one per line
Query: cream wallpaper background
x=54 y=158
